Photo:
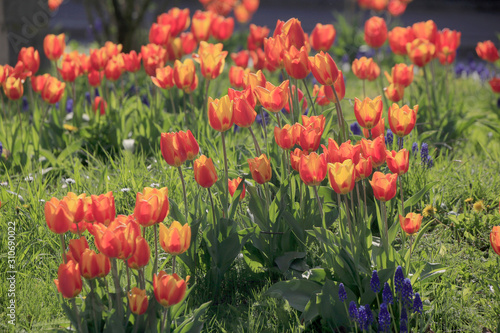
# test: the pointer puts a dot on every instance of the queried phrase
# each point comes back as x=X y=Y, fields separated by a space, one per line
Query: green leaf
x=286 y=260
x=296 y=292
x=417 y=196
x=193 y=323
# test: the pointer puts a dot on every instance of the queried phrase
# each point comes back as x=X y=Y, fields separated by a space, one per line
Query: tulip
x=100 y=104
x=159 y=34
x=293 y=33
x=169 y=289
x=77 y=247
x=256 y=37
x=324 y=68
x=322 y=37
x=4 y=72
x=53 y=46
x=342 y=176
x=401 y=74
x=30 y=58
x=220 y=113
x=260 y=169
x=93 y=265
x=172 y=149
x=295 y=156
x=274 y=48
x=236 y=77
x=426 y=30
x=284 y=137
x=241 y=14
x=339 y=86
x=241 y=58
x=69 y=70
x=310 y=138
x=374 y=149
x=138 y=301
x=188 y=42
x=103 y=208
x=141 y=255
x=447 y=43
x=378 y=5
x=233 y=185
x=346 y=151
x=184 y=73
x=164 y=78
x=132 y=61
x=255 y=80
x=365 y=69
x=384 y=186
x=13 y=88
x=222 y=28
x=76 y=206
x=363 y=168
x=376 y=131
x=118 y=240
x=178 y=19
x=153 y=57
x=99 y=58
x=204 y=172
x=398 y=38
x=495 y=84
x=411 y=223
x=175 y=239
x=394 y=92
x=319 y=94
x=95 y=78
x=58 y=216
x=296 y=62
x=200 y=26
x=375 y=32
x=420 y=51
x=487 y=51
x=312 y=169
x=112 y=49
x=272 y=98
x=191 y=146
x=243 y=112
x=402 y=119
x=53 y=90
x=38 y=82
x=368 y=111
x=69 y=282
x=398 y=162
x=396 y=7
x=114 y=68
x=54 y=4
x=495 y=239
x=151 y=206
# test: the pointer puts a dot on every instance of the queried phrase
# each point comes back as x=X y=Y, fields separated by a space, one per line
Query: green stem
x=92 y=293
x=386 y=232
x=184 y=193
x=205 y=99
x=428 y=96
x=320 y=206
x=257 y=148
x=77 y=315
x=63 y=249
x=118 y=290
x=351 y=231
x=173 y=264
x=155 y=265
x=339 y=115
x=171 y=97
x=310 y=98
x=226 y=187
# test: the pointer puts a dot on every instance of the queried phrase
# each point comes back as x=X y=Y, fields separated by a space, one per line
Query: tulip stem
x=315 y=188
x=349 y=224
x=166 y=321
x=339 y=115
x=155 y=265
x=171 y=97
x=402 y=195
x=205 y=99
x=184 y=192
x=409 y=260
x=63 y=249
x=92 y=293
x=118 y=291
x=310 y=98
x=364 y=201
x=110 y=302
x=386 y=232
x=428 y=96
x=226 y=187
x=257 y=148
x=364 y=89
x=136 y=324
x=173 y=264
x=78 y=320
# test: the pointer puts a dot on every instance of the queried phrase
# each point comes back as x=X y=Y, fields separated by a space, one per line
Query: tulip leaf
x=296 y=292
x=194 y=322
x=418 y=196
x=284 y=261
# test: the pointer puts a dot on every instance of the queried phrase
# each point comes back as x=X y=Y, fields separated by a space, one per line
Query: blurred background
x=25 y=23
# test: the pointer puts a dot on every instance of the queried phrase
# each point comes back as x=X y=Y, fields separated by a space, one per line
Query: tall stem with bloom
x=428 y=96
x=339 y=115
x=349 y=224
x=155 y=265
x=77 y=315
x=226 y=187
x=63 y=249
x=205 y=98
x=386 y=232
x=184 y=193
x=257 y=148
x=320 y=206
x=310 y=98
x=118 y=289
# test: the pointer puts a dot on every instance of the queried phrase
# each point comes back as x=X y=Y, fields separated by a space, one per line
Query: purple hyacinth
x=26 y=105
x=355 y=129
x=375 y=282
x=387 y=294
x=363 y=318
x=258 y=119
x=1 y=149
x=145 y=100
x=398 y=279
x=342 y=293
x=384 y=318
x=96 y=92
x=403 y=322
x=417 y=304
x=369 y=314
x=414 y=148
x=430 y=162
x=87 y=98
x=407 y=293
x=69 y=105
x=353 y=311
x=498 y=103
x=424 y=152
x=389 y=137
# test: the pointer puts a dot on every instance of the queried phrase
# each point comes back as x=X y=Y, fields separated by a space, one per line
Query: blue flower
x=424 y=153
x=384 y=318
x=403 y=321
x=258 y=119
x=407 y=293
x=375 y=282
x=417 y=304
x=355 y=129
x=387 y=294
x=414 y=148
x=96 y=92
x=69 y=105
x=26 y=105
x=353 y=311
x=430 y=162
x=145 y=100
x=398 y=279
x=363 y=318
x=1 y=149
x=389 y=137
x=57 y=105
x=342 y=293
x=369 y=315
x=87 y=97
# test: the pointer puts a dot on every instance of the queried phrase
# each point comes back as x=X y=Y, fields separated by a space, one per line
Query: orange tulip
x=368 y=111
x=178 y=19
x=426 y=30
x=487 y=51
x=256 y=37
x=310 y=138
x=151 y=206
x=175 y=239
x=324 y=68
x=284 y=136
x=153 y=57
x=159 y=34
x=138 y=301
x=296 y=62
x=447 y=42
x=342 y=176
x=365 y=69
x=141 y=255
x=220 y=113
x=374 y=149
x=200 y=26
x=375 y=32
x=243 y=112
x=242 y=14
x=399 y=37
x=339 y=86
x=236 y=77
x=132 y=61
x=77 y=247
x=112 y=49
x=53 y=46
x=398 y=162
x=69 y=70
x=184 y=73
x=38 y=82
x=164 y=78
x=53 y=90
x=363 y=168
x=188 y=42
x=54 y=4
x=255 y=80
x=411 y=223
x=211 y=59
x=274 y=48
x=100 y=104
x=190 y=144
x=103 y=208
x=93 y=265
x=222 y=28
x=58 y=216
x=233 y=186
x=394 y=92
x=319 y=94
x=295 y=156
x=495 y=239
x=241 y=58
x=312 y=169
x=402 y=119
x=378 y=5
x=169 y=289
x=76 y=207
x=260 y=169
x=172 y=149
x=376 y=131
x=420 y=51
x=204 y=172
x=99 y=58
x=30 y=58
x=495 y=84
x=13 y=88
x=114 y=68
x=396 y=7
x=384 y=186
x=118 y=240
x=293 y=33
x=401 y=74
x=69 y=282
x=346 y=151
x=95 y=78
x=322 y=37
x=272 y=98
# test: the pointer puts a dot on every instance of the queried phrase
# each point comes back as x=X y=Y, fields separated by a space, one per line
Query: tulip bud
x=141 y=255
x=233 y=185
x=374 y=149
x=384 y=186
x=342 y=176
x=93 y=265
x=175 y=239
x=169 y=289
x=69 y=282
x=402 y=120
x=272 y=98
x=103 y=208
x=138 y=301
x=151 y=206
x=324 y=68
x=53 y=46
x=204 y=172
x=284 y=137
x=322 y=37
x=368 y=111
x=398 y=162
x=77 y=247
x=260 y=169
x=312 y=169
x=375 y=32
x=411 y=223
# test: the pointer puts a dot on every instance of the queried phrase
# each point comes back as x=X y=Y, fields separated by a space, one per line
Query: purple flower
x=69 y=105
x=87 y=98
x=414 y=148
x=403 y=321
x=417 y=304
x=355 y=129
x=342 y=293
x=398 y=279
x=353 y=311
x=407 y=293
x=384 y=318
x=389 y=137
x=25 y=104
x=375 y=282
x=387 y=294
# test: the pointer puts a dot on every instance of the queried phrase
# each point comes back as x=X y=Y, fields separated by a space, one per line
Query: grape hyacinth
x=369 y=314
x=342 y=293
x=407 y=293
x=375 y=282
x=417 y=304
x=387 y=294
x=389 y=138
x=384 y=318
x=403 y=322
x=87 y=97
x=414 y=148
x=353 y=311
x=355 y=129
x=398 y=279
x=363 y=318
x=424 y=153
x=69 y=105
x=26 y=105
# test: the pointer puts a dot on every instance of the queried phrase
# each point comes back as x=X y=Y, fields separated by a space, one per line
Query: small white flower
x=154 y=185
x=4 y=184
x=126 y=189
x=70 y=181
